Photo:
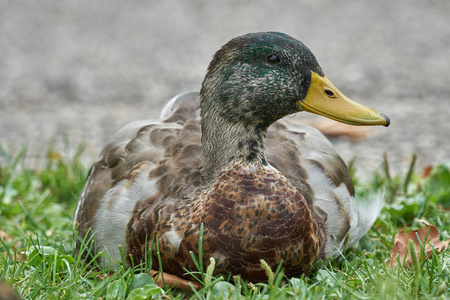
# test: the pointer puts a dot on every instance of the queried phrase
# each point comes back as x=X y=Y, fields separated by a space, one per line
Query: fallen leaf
x=173 y=281
x=54 y=156
x=102 y=276
x=332 y=128
x=4 y=236
x=16 y=255
x=428 y=236
x=427 y=171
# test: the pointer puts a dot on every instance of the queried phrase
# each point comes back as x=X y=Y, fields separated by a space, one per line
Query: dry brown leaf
x=17 y=255
x=173 y=281
x=401 y=244
x=103 y=276
x=4 y=236
x=335 y=129
x=54 y=156
x=169 y=279
x=427 y=171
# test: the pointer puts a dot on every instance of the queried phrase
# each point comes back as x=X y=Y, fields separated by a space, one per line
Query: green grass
x=37 y=260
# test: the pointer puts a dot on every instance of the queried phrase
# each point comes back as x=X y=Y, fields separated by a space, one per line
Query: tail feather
x=368 y=209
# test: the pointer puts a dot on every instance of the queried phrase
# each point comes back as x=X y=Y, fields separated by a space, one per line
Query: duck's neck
x=226 y=143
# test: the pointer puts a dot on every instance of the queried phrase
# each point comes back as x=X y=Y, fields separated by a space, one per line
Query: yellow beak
x=325 y=99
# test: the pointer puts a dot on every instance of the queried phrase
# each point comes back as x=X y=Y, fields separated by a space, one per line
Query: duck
x=224 y=168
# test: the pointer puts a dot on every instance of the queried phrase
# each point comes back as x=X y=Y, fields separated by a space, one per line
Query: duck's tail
x=368 y=209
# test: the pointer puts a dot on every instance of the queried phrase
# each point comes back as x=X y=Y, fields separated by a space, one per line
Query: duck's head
x=258 y=78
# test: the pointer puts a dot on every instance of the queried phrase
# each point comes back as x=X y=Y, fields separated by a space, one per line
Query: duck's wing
x=130 y=169
x=305 y=156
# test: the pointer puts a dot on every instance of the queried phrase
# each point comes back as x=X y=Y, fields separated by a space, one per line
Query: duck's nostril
x=329 y=93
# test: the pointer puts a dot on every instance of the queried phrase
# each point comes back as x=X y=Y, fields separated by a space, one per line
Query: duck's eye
x=273 y=59
x=329 y=93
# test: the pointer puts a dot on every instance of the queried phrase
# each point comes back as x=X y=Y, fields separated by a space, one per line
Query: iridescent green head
x=258 y=78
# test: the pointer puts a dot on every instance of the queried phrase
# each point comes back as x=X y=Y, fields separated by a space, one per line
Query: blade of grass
x=158 y=253
x=410 y=173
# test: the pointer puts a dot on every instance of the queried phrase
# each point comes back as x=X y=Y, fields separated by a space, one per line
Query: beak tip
x=388 y=121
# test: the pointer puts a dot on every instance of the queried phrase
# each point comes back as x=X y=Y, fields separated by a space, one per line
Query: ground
x=86 y=68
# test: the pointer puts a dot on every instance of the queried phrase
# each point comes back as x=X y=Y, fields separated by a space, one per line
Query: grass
x=37 y=257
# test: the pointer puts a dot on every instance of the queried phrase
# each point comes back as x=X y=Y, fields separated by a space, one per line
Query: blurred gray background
x=86 y=68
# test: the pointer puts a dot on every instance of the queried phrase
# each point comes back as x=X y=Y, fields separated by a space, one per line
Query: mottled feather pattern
x=250 y=213
x=174 y=147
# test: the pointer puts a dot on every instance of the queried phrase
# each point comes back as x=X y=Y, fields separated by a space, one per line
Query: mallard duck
x=262 y=187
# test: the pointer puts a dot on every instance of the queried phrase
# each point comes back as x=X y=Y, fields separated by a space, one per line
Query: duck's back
x=163 y=160
x=143 y=159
